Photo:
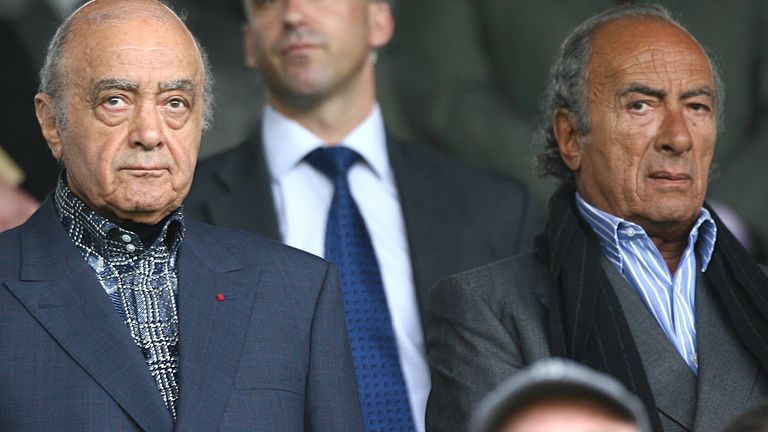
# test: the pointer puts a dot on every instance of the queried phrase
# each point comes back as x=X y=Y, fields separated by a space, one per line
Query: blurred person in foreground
x=559 y=395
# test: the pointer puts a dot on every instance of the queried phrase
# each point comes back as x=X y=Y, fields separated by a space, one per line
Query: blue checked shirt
x=670 y=298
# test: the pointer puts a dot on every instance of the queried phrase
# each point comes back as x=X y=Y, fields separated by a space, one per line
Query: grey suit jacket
x=486 y=324
x=456 y=217
x=272 y=356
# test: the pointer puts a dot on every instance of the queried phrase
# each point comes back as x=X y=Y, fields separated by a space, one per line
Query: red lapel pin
x=219 y=297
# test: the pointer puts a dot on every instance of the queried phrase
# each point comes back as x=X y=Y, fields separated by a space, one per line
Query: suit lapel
x=212 y=327
x=249 y=190
x=672 y=382
x=727 y=371
x=61 y=291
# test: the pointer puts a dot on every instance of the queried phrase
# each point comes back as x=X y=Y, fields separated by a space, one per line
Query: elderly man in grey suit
x=633 y=275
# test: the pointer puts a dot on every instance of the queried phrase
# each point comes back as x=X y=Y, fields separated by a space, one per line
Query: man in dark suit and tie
x=634 y=276
x=119 y=313
x=320 y=173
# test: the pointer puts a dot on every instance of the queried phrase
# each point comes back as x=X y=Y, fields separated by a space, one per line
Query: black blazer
x=456 y=217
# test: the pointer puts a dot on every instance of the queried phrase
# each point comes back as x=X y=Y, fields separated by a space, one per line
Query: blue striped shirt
x=670 y=298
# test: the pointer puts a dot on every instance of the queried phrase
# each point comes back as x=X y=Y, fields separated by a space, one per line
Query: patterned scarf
x=140 y=281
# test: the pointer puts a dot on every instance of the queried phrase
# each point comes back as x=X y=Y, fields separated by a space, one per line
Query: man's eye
x=640 y=106
x=114 y=102
x=699 y=107
x=176 y=104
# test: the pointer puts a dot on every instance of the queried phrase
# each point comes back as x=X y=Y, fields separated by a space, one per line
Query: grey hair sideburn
x=54 y=80
x=567 y=88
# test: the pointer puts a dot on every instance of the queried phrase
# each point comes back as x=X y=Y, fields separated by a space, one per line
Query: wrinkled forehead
x=134 y=17
x=105 y=33
x=647 y=48
x=105 y=10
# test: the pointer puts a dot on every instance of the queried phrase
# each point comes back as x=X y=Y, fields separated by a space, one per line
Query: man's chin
x=145 y=211
x=672 y=216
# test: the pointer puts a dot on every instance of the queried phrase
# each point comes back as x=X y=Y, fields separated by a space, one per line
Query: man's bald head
x=54 y=78
x=124 y=102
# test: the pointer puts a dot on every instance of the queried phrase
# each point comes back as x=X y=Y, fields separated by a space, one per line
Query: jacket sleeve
x=481 y=329
x=332 y=403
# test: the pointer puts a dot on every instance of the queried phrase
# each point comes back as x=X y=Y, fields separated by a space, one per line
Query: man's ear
x=249 y=46
x=380 y=22
x=568 y=138
x=46 y=111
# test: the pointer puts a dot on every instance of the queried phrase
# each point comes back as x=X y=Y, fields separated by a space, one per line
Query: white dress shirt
x=302 y=200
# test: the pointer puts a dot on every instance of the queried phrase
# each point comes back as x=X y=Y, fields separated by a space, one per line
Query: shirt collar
x=286 y=142
x=611 y=229
x=94 y=231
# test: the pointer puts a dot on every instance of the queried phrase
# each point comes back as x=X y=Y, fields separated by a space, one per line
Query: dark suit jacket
x=486 y=324
x=272 y=356
x=456 y=217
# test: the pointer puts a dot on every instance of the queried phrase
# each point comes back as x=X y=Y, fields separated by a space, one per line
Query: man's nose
x=147 y=128
x=294 y=12
x=675 y=134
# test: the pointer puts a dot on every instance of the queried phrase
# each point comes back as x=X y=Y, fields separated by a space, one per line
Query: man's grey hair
x=568 y=84
x=54 y=80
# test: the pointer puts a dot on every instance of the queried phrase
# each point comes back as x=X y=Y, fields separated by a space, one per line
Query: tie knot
x=334 y=161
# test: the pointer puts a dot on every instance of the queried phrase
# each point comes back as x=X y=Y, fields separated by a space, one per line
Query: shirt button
x=630 y=232
x=126 y=238
x=695 y=358
x=130 y=248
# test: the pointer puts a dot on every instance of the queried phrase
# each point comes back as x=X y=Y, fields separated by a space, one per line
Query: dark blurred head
x=558 y=395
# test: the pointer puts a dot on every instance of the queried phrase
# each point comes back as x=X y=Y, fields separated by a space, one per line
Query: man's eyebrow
x=182 y=84
x=115 y=83
x=642 y=89
x=701 y=91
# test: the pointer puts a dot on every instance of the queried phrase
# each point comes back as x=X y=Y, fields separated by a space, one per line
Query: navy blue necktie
x=383 y=395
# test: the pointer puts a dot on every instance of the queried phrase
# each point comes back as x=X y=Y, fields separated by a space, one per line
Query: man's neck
x=671 y=242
